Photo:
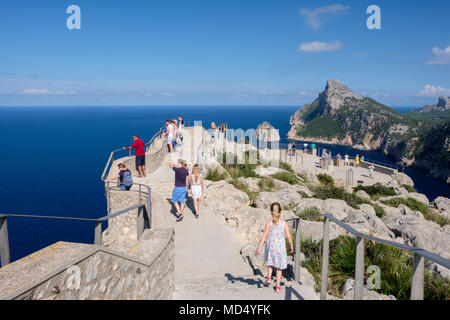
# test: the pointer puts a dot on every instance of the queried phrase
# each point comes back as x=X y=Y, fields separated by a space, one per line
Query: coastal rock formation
x=442 y=105
x=266 y=132
x=339 y=116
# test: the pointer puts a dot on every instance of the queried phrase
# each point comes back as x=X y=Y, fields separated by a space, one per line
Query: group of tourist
x=174 y=133
x=183 y=182
x=219 y=132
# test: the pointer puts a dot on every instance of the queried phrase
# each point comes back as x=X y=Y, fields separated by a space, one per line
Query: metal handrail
x=417 y=286
x=112 y=154
x=144 y=222
x=381 y=164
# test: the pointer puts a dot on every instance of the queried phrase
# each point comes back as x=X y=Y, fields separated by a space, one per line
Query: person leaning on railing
x=124 y=176
x=139 y=146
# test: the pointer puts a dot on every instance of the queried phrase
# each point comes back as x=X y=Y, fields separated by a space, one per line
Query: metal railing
x=417 y=286
x=112 y=157
x=144 y=218
x=383 y=164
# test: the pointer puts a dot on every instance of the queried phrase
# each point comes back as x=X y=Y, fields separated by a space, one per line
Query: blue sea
x=52 y=159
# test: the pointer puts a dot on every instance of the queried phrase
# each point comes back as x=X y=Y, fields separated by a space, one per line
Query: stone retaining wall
x=73 y=271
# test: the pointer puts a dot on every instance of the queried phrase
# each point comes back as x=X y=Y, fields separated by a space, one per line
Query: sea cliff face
x=339 y=116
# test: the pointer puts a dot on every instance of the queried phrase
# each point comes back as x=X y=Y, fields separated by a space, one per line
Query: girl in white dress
x=197 y=188
x=275 y=256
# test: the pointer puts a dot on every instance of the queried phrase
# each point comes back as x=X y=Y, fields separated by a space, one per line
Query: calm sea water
x=52 y=159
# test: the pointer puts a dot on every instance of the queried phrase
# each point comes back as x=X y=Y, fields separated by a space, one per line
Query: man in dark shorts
x=139 y=147
x=181 y=186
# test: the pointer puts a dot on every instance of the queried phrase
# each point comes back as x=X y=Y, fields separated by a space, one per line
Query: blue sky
x=233 y=52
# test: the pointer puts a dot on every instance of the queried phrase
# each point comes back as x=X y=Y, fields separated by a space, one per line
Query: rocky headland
x=340 y=116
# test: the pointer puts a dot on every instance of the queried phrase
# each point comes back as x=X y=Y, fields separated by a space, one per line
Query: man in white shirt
x=371 y=168
x=169 y=135
x=346 y=161
x=289 y=149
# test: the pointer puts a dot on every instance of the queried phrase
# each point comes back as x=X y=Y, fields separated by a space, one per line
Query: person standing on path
x=139 y=148
x=181 y=186
x=170 y=135
x=293 y=148
x=289 y=149
x=305 y=147
x=175 y=133
x=181 y=128
x=346 y=160
x=371 y=168
x=197 y=188
x=124 y=176
x=357 y=160
x=276 y=232
x=338 y=159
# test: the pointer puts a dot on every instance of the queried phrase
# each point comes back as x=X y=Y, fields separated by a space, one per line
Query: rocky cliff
x=340 y=116
x=442 y=105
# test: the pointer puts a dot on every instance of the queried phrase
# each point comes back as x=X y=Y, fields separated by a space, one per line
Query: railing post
x=129 y=153
x=149 y=208
x=140 y=200
x=140 y=221
x=359 y=269
x=297 y=252
x=325 y=251
x=4 y=242
x=108 y=198
x=417 y=278
x=98 y=233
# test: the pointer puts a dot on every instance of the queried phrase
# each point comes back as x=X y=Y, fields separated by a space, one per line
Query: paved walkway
x=208 y=264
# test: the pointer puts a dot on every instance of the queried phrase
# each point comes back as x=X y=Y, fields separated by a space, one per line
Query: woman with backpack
x=124 y=176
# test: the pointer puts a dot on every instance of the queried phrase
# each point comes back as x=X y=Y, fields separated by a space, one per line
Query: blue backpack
x=127 y=179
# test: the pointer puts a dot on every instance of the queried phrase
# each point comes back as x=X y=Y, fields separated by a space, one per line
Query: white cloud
x=316 y=46
x=313 y=16
x=168 y=94
x=433 y=91
x=441 y=56
x=272 y=93
x=35 y=91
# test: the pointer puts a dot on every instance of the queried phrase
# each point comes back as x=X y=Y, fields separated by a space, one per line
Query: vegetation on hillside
x=376 y=191
x=415 y=205
x=395 y=265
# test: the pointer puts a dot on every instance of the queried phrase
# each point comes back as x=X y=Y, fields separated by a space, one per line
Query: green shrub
x=288 y=177
x=379 y=211
x=241 y=186
x=376 y=191
x=395 y=266
x=409 y=188
x=239 y=167
x=331 y=192
x=266 y=184
x=286 y=166
x=215 y=175
x=415 y=205
x=310 y=214
x=325 y=179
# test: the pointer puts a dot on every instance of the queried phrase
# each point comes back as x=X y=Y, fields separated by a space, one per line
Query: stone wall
x=122 y=230
x=72 y=271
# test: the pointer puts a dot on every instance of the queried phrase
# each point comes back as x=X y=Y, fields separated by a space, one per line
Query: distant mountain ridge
x=340 y=116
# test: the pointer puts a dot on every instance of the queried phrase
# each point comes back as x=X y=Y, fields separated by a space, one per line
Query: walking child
x=197 y=188
x=276 y=232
